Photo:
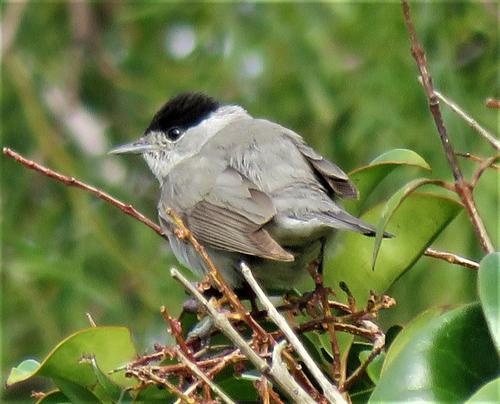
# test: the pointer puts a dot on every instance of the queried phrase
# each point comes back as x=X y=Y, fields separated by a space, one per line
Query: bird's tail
x=344 y=220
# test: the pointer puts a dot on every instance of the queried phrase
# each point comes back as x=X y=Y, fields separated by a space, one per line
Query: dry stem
x=462 y=187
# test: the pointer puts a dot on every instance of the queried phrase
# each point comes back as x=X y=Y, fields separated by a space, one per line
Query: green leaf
x=391 y=206
x=240 y=387
x=109 y=390
x=489 y=393
x=75 y=392
x=441 y=356
x=415 y=224
x=368 y=177
x=23 y=371
x=375 y=367
x=111 y=346
x=488 y=284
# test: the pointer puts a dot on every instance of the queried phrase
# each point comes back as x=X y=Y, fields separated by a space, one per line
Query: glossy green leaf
x=443 y=357
x=489 y=393
x=368 y=177
x=415 y=224
x=489 y=291
x=391 y=206
x=112 y=347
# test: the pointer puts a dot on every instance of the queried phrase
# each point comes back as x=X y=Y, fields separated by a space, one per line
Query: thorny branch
x=462 y=187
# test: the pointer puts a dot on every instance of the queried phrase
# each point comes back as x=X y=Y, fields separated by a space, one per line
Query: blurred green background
x=79 y=77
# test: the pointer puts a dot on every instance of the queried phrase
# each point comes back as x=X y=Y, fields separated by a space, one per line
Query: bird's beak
x=139 y=146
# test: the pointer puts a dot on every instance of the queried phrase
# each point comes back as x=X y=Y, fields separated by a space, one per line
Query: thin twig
x=73 y=182
x=222 y=363
x=176 y=331
x=378 y=346
x=482 y=168
x=280 y=371
x=451 y=258
x=183 y=233
x=461 y=185
x=90 y=319
x=287 y=383
x=145 y=374
x=197 y=371
x=470 y=121
x=329 y=390
x=477 y=159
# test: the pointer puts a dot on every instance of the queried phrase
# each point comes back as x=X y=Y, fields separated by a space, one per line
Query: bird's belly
x=289 y=231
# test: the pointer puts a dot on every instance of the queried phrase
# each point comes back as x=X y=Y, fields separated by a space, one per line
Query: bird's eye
x=174 y=133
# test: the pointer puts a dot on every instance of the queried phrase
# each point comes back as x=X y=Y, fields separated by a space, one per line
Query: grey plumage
x=248 y=189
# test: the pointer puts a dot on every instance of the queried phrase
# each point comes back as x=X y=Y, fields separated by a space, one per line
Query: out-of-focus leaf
x=390 y=207
x=112 y=347
x=415 y=224
x=489 y=393
x=368 y=177
x=441 y=357
x=23 y=371
x=488 y=284
x=375 y=367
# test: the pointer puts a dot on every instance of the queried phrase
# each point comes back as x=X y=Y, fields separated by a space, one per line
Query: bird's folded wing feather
x=336 y=179
x=231 y=216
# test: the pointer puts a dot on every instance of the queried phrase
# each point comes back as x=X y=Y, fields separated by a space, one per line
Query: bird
x=249 y=190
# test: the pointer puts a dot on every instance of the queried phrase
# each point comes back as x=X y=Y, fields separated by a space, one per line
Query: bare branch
x=73 y=182
x=451 y=258
x=482 y=168
x=197 y=371
x=470 y=121
x=183 y=233
x=287 y=383
x=477 y=159
x=329 y=390
x=461 y=186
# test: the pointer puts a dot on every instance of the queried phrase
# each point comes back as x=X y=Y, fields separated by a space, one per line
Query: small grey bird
x=248 y=189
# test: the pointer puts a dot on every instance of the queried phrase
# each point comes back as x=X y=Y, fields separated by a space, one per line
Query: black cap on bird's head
x=183 y=111
x=176 y=116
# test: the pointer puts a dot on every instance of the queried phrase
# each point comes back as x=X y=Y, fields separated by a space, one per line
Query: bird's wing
x=231 y=215
x=337 y=180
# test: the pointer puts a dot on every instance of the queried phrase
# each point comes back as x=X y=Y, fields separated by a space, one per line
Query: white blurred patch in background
x=180 y=41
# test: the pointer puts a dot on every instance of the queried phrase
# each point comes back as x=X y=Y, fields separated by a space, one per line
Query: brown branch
x=176 y=331
x=73 y=182
x=451 y=258
x=462 y=187
x=183 y=233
